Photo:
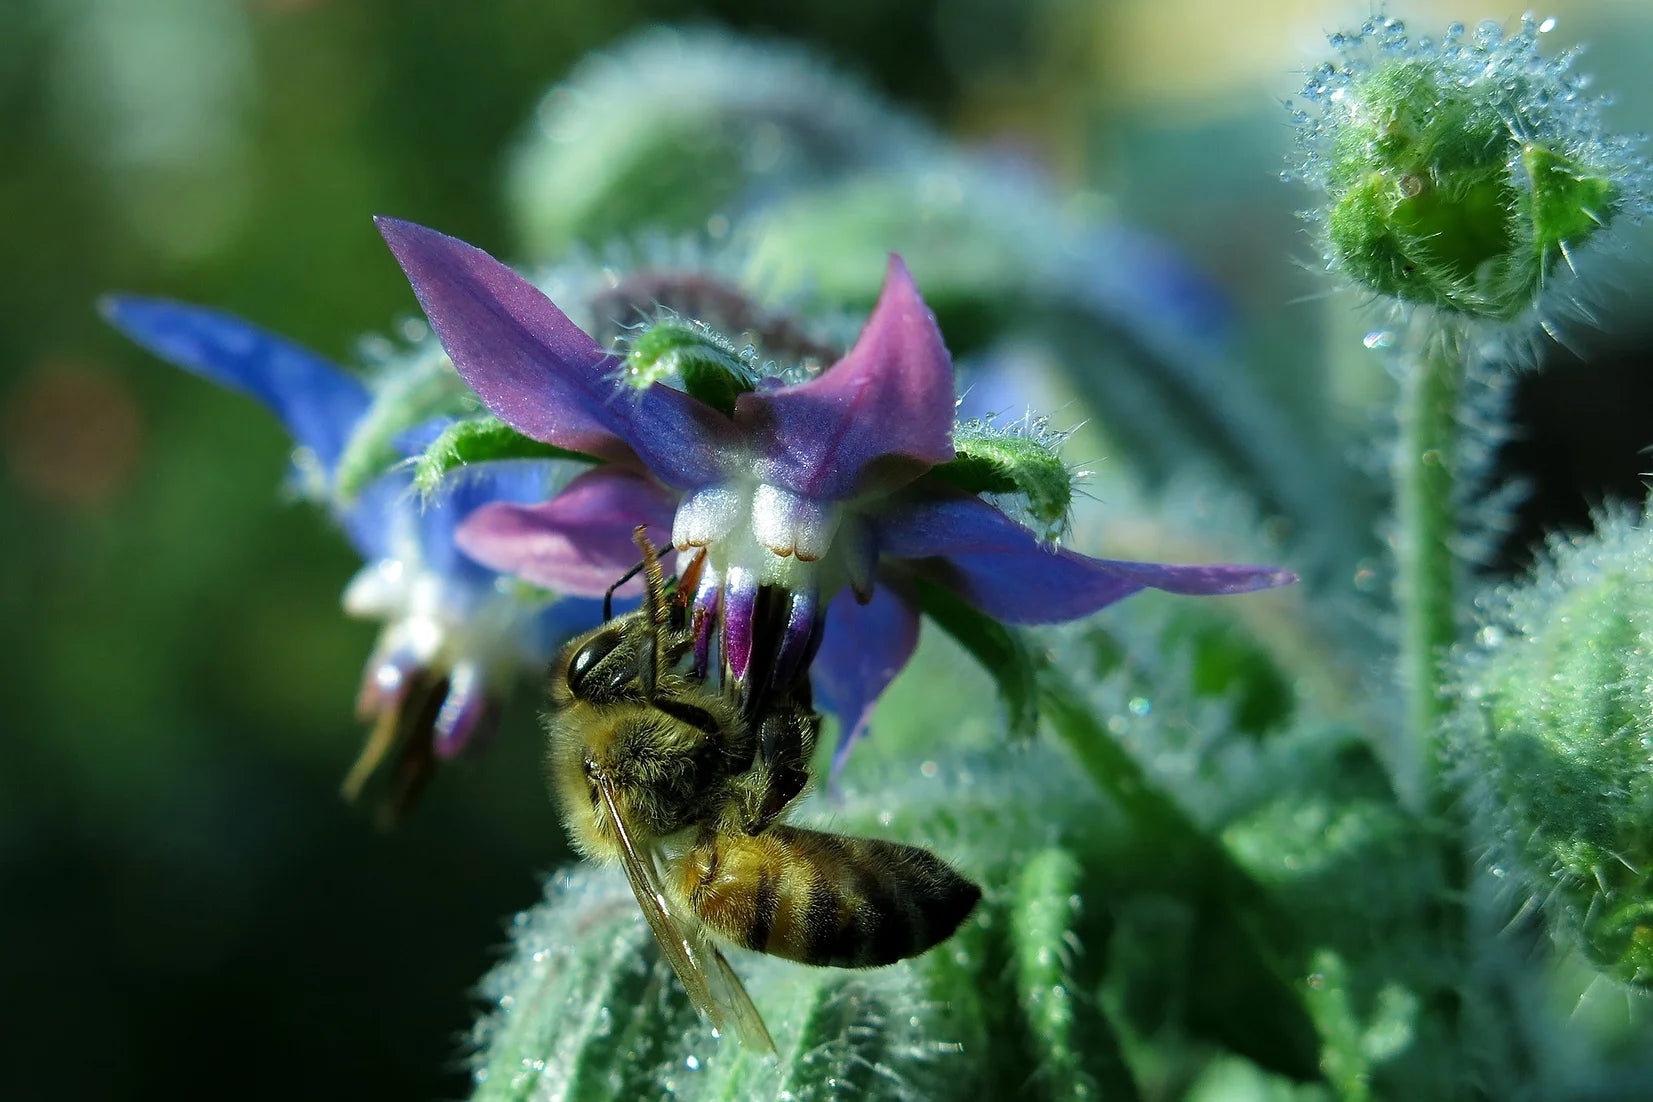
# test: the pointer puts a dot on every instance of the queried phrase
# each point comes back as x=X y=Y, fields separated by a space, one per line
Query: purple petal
x=880 y=416
x=740 y=602
x=864 y=647
x=538 y=372
x=374 y=520
x=513 y=482
x=316 y=401
x=580 y=541
x=469 y=713
x=1003 y=569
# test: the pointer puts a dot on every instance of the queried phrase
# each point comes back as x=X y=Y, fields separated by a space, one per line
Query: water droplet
x=1378 y=338
x=1140 y=706
x=1547 y=26
x=1317 y=981
x=692 y=1062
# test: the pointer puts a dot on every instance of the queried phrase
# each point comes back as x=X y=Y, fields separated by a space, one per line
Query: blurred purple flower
x=807 y=502
x=454 y=633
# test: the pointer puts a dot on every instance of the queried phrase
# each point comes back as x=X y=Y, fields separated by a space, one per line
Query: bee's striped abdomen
x=826 y=899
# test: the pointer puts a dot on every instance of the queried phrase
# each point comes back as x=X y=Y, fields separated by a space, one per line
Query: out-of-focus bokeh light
x=71 y=434
x=154 y=98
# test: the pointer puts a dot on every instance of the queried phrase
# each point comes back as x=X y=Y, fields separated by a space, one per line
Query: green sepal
x=1567 y=203
x=425 y=389
x=481 y=439
x=993 y=460
x=1008 y=655
x=696 y=356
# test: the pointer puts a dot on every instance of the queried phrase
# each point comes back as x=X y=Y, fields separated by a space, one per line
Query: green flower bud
x=1459 y=173
x=694 y=355
x=1557 y=736
x=1021 y=462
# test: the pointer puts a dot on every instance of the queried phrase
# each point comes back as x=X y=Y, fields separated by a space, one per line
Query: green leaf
x=1005 y=653
x=481 y=439
x=1246 y=946
x=1076 y=1053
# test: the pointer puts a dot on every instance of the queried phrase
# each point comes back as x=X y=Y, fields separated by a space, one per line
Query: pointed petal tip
x=1250 y=579
x=401 y=235
x=130 y=313
x=900 y=285
x=111 y=305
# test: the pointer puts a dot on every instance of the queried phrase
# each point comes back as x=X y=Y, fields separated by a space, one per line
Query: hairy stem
x=1426 y=565
x=1426 y=578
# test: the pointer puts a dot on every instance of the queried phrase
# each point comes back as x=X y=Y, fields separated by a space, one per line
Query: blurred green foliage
x=177 y=876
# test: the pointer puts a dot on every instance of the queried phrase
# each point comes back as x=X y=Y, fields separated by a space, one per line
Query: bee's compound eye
x=588 y=658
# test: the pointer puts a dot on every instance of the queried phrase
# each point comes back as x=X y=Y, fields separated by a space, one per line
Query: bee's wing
x=716 y=991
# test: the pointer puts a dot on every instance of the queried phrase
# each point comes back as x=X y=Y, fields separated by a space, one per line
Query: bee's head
x=602 y=666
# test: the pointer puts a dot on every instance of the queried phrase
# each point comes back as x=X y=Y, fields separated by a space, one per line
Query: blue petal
x=514 y=482
x=376 y=520
x=316 y=401
x=863 y=648
x=415 y=441
x=561 y=620
x=1003 y=569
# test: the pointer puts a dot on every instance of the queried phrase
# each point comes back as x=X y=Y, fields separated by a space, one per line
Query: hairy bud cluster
x=1557 y=734
x=1458 y=173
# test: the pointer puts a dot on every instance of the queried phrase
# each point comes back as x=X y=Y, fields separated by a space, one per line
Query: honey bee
x=657 y=771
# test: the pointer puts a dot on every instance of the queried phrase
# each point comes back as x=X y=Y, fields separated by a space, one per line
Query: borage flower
x=807 y=504
x=455 y=632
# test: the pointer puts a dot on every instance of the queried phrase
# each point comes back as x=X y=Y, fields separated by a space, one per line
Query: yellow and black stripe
x=827 y=899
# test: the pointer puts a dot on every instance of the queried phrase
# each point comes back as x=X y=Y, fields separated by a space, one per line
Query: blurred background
x=183 y=897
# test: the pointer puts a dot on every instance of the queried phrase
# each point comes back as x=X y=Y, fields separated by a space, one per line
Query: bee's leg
x=785 y=745
x=655 y=608
x=693 y=715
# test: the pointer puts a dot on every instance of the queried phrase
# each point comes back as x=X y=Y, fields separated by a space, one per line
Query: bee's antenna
x=608 y=597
